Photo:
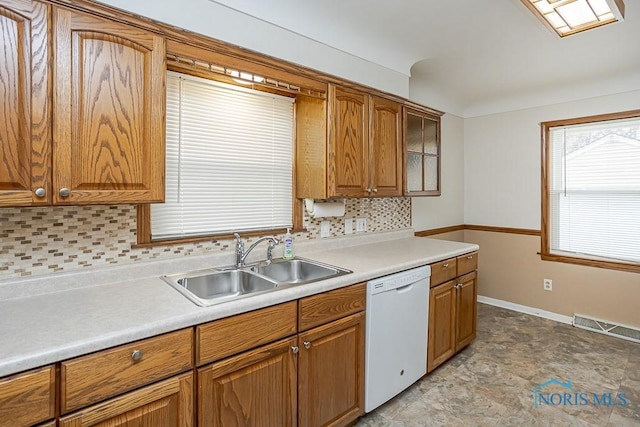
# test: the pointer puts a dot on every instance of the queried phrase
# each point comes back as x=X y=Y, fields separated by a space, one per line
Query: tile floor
x=490 y=383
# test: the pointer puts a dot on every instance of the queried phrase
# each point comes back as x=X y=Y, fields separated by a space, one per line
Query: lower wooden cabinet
x=255 y=388
x=314 y=378
x=299 y=363
x=466 y=310
x=168 y=403
x=331 y=373
x=452 y=318
x=27 y=398
x=442 y=319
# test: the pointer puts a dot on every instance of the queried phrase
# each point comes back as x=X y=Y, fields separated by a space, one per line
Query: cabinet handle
x=136 y=355
x=307 y=345
x=470 y=257
x=295 y=349
x=40 y=192
x=64 y=192
x=445 y=265
x=459 y=286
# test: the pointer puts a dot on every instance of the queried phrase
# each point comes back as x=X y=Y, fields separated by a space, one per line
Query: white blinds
x=228 y=162
x=594 y=189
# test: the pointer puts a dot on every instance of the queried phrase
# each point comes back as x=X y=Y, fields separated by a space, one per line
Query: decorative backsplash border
x=43 y=240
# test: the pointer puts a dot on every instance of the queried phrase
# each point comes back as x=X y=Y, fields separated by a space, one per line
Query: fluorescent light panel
x=566 y=17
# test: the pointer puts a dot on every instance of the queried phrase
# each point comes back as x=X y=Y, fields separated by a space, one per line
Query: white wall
x=448 y=209
x=502 y=159
x=222 y=23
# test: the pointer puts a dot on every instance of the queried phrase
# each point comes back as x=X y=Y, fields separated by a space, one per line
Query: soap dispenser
x=288 y=245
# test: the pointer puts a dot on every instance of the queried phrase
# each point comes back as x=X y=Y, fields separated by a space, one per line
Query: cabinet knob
x=368 y=190
x=459 y=286
x=470 y=257
x=64 y=192
x=295 y=349
x=307 y=345
x=40 y=192
x=375 y=190
x=136 y=355
x=445 y=265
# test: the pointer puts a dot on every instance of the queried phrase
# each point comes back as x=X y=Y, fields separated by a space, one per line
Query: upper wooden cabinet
x=104 y=143
x=422 y=153
x=348 y=147
x=109 y=101
x=361 y=153
x=25 y=132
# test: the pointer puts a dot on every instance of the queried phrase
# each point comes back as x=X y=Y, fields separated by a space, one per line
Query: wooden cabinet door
x=442 y=322
x=109 y=99
x=168 y=403
x=331 y=373
x=348 y=154
x=255 y=388
x=466 y=297
x=25 y=137
x=27 y=398
x=386 y=148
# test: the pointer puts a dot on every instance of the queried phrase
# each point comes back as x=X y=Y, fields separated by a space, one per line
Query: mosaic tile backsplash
x=36 y=241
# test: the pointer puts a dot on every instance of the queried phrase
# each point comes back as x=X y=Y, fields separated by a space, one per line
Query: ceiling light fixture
x=566 y=17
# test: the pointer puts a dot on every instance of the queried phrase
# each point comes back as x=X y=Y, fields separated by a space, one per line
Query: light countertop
x=53 y=318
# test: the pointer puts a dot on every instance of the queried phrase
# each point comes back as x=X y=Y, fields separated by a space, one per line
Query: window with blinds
x=594 y=190
x=229 y=160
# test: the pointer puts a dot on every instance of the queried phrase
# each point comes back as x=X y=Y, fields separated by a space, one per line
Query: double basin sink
x=224 y=284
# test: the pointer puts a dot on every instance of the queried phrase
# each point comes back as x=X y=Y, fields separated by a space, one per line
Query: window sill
x=592 y=262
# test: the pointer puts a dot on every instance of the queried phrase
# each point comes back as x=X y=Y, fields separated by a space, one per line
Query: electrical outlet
x=348 y=226
x=547 y=284
x=361 y=224
x=324 y=229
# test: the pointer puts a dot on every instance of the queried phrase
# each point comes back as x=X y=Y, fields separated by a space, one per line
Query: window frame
x=143 y=222
x=545 y=250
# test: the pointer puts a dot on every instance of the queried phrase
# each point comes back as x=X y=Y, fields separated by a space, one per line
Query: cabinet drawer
x=443 y=271
x=328 y=306
x=105 y=374
x=27 y=398
x=225 y=337
x=467 y=263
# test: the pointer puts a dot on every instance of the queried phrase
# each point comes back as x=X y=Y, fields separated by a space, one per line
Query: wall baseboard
x=525 y=309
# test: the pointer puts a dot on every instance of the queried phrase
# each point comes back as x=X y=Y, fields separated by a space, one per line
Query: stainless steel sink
x=298 y=271
x=215 y=286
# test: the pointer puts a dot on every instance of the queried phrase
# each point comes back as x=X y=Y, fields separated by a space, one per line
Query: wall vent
x=608 y=328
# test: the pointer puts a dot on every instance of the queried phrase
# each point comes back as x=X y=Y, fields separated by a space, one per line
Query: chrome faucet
x=241 y=255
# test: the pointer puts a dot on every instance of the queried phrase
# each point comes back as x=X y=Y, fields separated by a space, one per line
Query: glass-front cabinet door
x=422 y=153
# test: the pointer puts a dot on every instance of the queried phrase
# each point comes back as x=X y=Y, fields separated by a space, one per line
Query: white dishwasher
x=396 y=336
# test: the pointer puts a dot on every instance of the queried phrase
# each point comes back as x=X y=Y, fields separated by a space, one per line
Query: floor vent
x=608 y=328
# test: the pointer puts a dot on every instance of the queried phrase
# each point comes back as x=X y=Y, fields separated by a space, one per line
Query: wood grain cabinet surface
x=452 y=308
x=27 y=398
x=314 y=378
x=331 y=373
x=109 y=101
x=254 y=388
x=98 y=376
x=82 y=118
x=168 y=403
x=25 y=82
x=362 y=155
x=365 y=145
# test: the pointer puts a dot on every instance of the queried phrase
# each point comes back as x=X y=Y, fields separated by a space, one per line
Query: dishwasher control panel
x=398 y=280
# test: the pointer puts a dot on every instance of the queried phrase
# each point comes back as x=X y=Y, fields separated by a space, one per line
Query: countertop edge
x=54 y=354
